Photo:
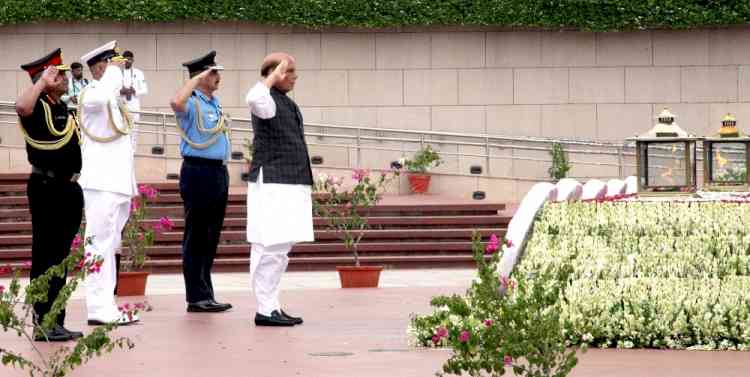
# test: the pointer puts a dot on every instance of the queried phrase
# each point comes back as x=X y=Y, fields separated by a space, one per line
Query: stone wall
x=596 y=86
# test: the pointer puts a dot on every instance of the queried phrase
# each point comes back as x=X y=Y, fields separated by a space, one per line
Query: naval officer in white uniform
x=107 y=177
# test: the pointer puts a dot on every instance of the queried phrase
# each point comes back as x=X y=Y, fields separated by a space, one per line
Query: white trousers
x=106 y=216
x=267 y=264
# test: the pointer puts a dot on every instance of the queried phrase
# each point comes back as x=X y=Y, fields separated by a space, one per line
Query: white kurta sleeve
x=260 y=101
x=140 y=86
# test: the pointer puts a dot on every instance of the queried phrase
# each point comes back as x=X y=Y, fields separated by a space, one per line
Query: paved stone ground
x=352 y=333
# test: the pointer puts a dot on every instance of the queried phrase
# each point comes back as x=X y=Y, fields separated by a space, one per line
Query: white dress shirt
x=106 y=166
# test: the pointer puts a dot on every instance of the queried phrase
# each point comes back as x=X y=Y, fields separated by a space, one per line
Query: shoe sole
x=53 y=340
x=192 y=310
x=295 y=320
x=274 y=324
x=93 y=322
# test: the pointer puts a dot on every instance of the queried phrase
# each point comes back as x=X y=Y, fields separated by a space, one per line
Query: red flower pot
x=419 y=183
x=132 y=283
x=359 y=277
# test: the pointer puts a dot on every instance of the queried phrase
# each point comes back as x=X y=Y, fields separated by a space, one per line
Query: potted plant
x=137 y=237
x=418 y=167
x=560 y=165
x=346 y=211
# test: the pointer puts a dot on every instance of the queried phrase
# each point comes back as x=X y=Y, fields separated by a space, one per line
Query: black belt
x=203 y=161
x=72 y=177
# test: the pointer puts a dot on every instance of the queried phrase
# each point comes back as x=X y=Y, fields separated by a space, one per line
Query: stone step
x=320 y=235
x=243 y=249
x=24 y=227
x=241 y=264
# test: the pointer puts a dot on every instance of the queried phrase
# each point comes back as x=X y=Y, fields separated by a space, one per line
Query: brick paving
x=352 y=333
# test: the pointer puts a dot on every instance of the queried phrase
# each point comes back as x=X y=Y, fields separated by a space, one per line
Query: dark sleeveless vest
x=279 y=145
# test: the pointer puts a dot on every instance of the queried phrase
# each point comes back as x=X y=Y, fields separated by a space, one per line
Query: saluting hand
x=279 y=73
x=49 y=76
x=203 y=74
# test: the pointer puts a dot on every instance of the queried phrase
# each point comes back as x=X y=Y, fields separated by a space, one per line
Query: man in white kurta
x=279 y=202
x=107 y=179
x=134 y=87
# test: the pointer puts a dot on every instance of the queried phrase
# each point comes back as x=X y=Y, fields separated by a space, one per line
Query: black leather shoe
x=228 y=305
x=296 y=320
x=56 y=334
x=207 y=306
x=275 y=319
x=73 y=334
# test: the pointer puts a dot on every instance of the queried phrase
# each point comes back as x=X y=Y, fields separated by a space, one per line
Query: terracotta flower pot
x=419 y=183
x=132 y=283
x=359 y=277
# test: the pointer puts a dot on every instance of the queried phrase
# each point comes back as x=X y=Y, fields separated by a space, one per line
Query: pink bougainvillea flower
x=507 y=360
x=465 y=336
x=492 y=245
x=76 y=242
x=165 y=224
x=360 y=174
x=488 y=322
x=507 y=283
x=148 y=191
x=508 y=243
x=95 y=267
x=435 y=339
x=2 y=289
x=134 y=205
x=442 y=332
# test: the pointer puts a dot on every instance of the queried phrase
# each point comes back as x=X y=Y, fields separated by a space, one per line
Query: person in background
x=77 y=83
x=133 y=85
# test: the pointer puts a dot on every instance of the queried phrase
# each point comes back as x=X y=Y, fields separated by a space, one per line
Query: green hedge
x=595 y=15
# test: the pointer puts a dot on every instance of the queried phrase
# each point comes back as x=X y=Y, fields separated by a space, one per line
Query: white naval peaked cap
x=100 y=53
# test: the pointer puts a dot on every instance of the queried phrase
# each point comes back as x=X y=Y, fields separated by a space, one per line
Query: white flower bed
x=649 y=274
